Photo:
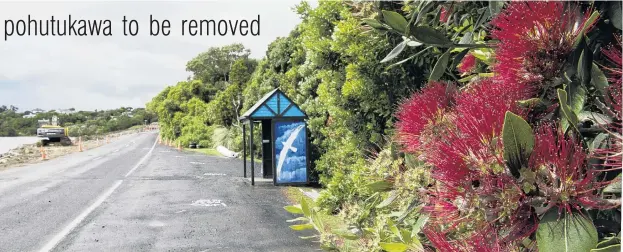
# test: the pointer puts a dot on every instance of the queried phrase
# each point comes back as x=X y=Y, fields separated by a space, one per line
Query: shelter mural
x=290 y=152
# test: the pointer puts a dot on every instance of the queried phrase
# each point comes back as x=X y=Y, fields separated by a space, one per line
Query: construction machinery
x=51 y=132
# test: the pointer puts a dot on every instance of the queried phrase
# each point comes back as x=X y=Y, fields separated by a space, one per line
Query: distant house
x=66 y=111
x=33 y=113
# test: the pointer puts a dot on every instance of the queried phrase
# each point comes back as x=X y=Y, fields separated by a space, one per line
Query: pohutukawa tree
x=530 y=151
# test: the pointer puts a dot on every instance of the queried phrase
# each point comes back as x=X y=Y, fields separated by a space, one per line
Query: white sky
x=90 y=73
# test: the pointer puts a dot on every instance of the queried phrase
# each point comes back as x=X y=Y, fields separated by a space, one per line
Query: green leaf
x=598 y=142
x=485 y=55
x=317 y=221
x=599 y=80
x=424 y=11
x=414 y=206
x=518 y=141
x=395 y=52
x=294 y=209
x=468 y=78
x=467 y=38
x=346 y=234
x=413 y=43
x=484 y=15
x=405 y=235
x=571 y=117
x=428 y=35
x=380 y=186
x=440 y=67
x=421 y=221
x=457 y=59
x=411 y=161
x=302 y=227
x=395 y=20
x=611 y=248
x=578 y=48
x=614 y=12
x=392 y=227
x=570 y=232
x=596 y=118
x=594 y=16
x=578 y=98
x=614 y=187
x=393 y=246
x=609 y=241
x=374 y=23
x=328 y=247
x=305 y=206
x=392 y=196
x=531 y=103
x=584 y=66
x=495 y=7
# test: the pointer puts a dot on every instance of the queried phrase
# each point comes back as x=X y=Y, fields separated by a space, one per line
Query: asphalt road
x=136 y=195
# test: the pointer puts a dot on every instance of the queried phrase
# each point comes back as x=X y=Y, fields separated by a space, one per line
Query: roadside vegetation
x=80 y=123
x=438 y=126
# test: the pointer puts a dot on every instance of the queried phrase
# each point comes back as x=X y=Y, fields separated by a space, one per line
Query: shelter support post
x=244 y=148
x=252 y=151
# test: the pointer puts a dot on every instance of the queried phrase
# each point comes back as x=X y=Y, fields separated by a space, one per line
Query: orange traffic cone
x=80 y=144
x=43 y=153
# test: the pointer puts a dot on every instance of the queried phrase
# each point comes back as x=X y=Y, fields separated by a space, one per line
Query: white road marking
x=115 y=150
x=197 y=163
x=60 y=236
x=214 y=174
x=97 y=158
x=166 y=151
x=208 y=203
x=143 y=159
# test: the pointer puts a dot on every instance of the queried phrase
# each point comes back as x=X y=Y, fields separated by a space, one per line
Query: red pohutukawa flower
x=469 y=149
x=445 y=14
x=564 y=177
x=468 y=63
x=612 y=153
x=535 y=40
x=421 y=109
x=613 y=54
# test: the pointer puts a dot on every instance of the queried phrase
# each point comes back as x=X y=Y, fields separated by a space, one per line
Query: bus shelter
x=285 y=145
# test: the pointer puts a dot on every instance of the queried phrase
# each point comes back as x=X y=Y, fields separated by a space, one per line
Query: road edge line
x=74 y=223
x=142 y=159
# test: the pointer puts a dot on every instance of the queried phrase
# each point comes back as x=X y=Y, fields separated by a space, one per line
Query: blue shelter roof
x=275 y=104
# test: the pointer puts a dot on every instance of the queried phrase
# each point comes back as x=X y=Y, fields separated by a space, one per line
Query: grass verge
x=207 y=151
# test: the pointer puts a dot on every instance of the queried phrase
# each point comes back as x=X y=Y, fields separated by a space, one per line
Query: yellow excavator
x=51 y=132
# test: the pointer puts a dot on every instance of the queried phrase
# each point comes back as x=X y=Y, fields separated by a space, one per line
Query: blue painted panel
x=290 y=152
x=283 y=103
x=272 y=103
x=293 y=111
x=263 y=111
